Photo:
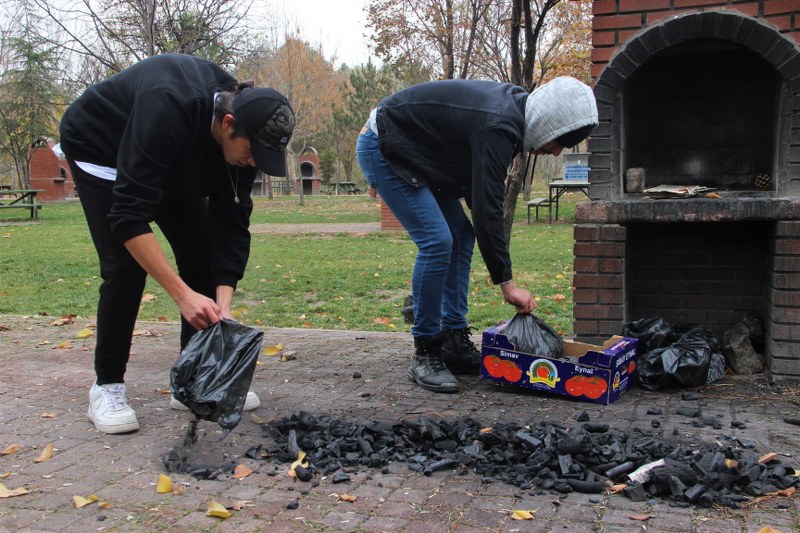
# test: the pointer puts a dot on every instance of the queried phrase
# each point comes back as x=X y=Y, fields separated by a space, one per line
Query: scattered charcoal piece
x=438 y=465
x=688 y=395
x=356 y=375
x=253 y=452
x=562 y=487
x=366 y=394
x=792 y=420
x=292 y=505
x=746 y=443
x=583 y=416
x=635 y=492
x=655 y=424
x=595 y=427
x=595 y=499
x=586 y=487
x=738 y=424
x=693 y=493
x=302 y=473
x=654 y=411
x=175 y=461
x=530 y=440
x=341 y=477
x=101 y=518
x=624 y=468
x=691 y=412
x=385 y=470
x=416 y=467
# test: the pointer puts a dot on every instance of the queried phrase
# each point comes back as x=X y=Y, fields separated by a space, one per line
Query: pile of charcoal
x=589 y=458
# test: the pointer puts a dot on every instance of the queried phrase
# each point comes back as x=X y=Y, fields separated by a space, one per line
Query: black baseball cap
x=268 y=120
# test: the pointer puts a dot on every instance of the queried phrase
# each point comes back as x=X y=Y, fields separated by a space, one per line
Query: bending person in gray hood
x=426 y=147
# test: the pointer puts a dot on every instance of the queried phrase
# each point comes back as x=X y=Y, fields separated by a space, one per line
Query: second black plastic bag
x=529 y=334
x=213 y=373
x=676 y=355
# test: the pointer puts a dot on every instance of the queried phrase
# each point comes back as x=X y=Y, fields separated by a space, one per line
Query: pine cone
x=763 y=182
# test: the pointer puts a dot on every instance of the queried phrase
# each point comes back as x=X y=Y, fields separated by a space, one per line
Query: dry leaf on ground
x=217 y=509
x=46 y=454
x=80 y=501
x=522 y=515
x=348 y=497
x=273 y=349
x=640 y=517
x=5 y=492
x=83 y=334
x=241 y=471
x=14 y=448
x=164 y=484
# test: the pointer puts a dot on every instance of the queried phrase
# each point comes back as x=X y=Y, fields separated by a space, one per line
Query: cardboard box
x=597 y=374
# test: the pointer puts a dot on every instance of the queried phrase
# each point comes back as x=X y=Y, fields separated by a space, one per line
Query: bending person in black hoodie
x=426 y=147
x=174 y=140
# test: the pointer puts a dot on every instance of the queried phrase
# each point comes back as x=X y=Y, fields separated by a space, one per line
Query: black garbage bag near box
x=676 y=356
x=213 y=373
x=530 y=334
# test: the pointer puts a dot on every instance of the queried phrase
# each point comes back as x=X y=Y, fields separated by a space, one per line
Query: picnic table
x=21 y=198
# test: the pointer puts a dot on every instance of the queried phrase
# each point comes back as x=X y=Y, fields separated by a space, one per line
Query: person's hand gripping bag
x=213 y=373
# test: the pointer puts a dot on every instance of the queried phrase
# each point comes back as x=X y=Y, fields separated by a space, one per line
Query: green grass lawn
x=333 y=281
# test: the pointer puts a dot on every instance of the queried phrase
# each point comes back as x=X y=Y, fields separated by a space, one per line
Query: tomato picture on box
x=586 y=372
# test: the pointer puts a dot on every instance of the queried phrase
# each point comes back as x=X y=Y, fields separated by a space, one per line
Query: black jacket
x=459 y=137
x=152 y=122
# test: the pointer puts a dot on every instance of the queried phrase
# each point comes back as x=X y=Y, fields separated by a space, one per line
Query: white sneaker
x=109 y=409
x=250 y=403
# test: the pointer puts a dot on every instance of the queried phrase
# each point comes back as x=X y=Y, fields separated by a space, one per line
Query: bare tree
x=440 y=34
x=109 y=35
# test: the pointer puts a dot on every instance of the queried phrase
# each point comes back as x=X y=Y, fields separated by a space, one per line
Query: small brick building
x=50 y=172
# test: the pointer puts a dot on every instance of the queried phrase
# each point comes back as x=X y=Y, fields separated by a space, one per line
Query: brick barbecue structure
x=50 y=173
x=696 y=93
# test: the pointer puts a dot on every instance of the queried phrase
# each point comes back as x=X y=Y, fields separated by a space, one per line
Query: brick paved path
x=38 y=378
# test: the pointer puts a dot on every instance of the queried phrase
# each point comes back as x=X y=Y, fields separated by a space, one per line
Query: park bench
x=536 y=203
x=20 y=199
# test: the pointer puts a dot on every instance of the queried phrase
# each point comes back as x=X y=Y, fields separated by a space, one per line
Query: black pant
x=185 y=225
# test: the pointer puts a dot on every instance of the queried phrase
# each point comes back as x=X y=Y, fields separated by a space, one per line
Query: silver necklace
x=234 y=185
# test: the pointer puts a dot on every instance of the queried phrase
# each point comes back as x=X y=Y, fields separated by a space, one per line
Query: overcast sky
x=338 y=25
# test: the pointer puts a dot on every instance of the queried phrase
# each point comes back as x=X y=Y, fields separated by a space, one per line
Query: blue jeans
x=444 y=237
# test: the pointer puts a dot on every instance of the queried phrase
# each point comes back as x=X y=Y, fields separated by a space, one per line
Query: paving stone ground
x=44 y=396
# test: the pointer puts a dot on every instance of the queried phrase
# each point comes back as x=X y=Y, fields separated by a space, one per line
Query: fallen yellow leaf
x=147 y=297
x=300 y=456
x=218 y=510
x=348 y=497
x=83 y=334
x=768 y=529
x=80 y=501
x=5 y=475
x=273 y=349
x=47 y=415
x=522 y=515
x=640 y=517
x=46 y=454
x=241 y=471
x=5 y=492
x=104 y=505
x=64 y=345
x=14 y=448
x=164 y=484
x=178 y=490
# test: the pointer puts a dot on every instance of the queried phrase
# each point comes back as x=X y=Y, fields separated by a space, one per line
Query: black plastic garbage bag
x=529 y=334
x=213 y=373
x=694 y=359
x=652 y=333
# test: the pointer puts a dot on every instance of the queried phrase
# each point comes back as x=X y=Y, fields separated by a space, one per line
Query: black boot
x=459 y=353
x=428 y=371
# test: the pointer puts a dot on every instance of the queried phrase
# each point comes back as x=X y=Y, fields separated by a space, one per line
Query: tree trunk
x=513 y=185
